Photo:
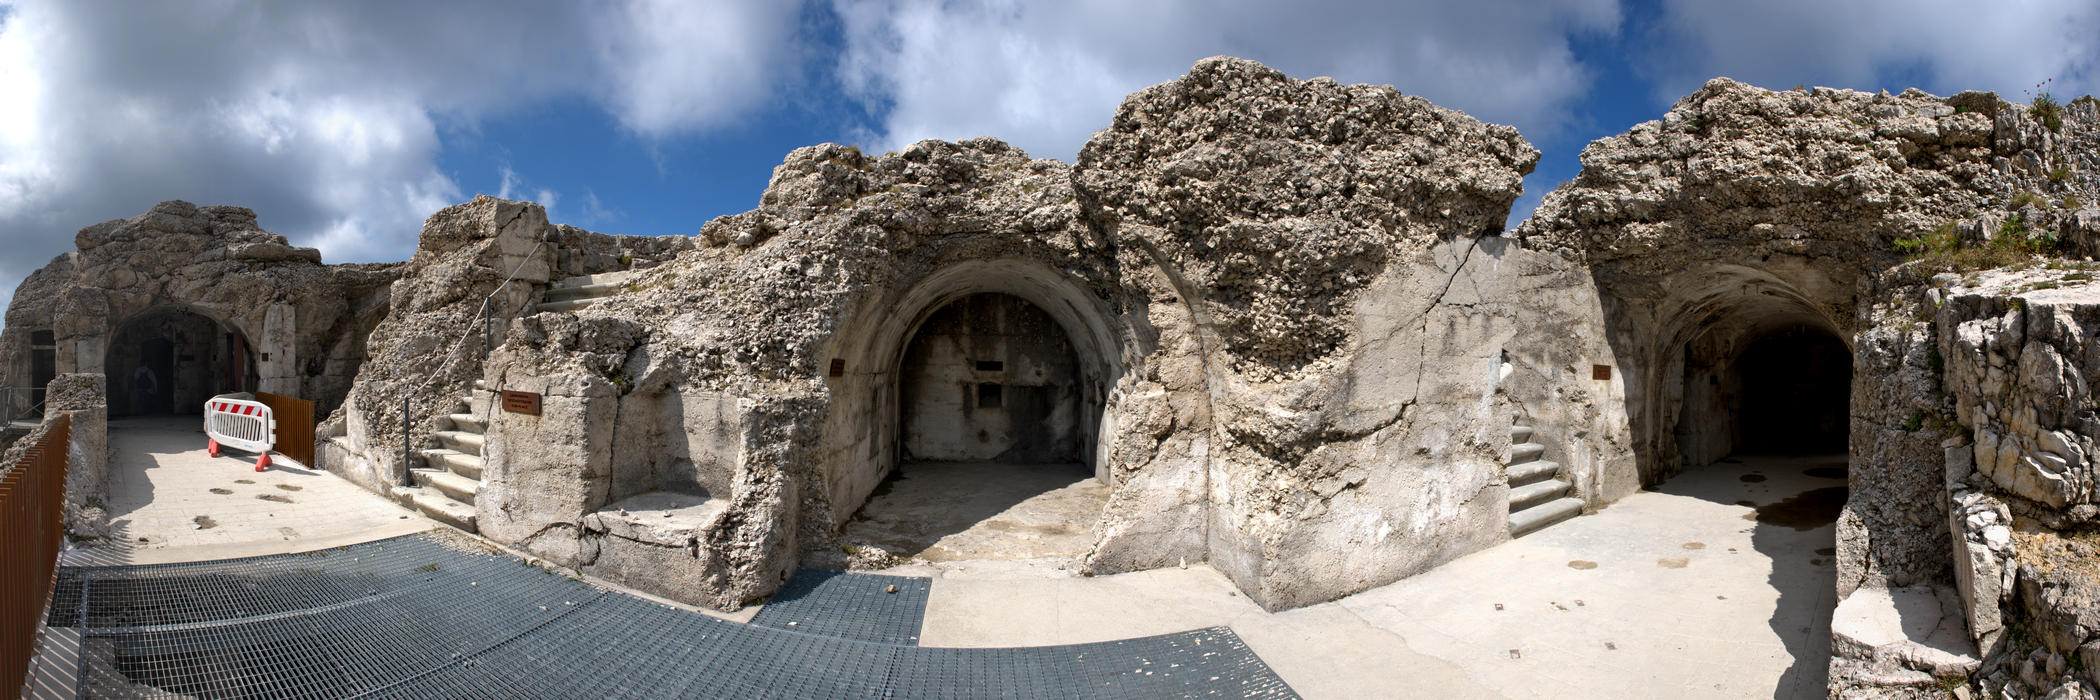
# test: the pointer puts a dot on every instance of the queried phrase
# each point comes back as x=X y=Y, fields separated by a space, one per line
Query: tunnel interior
x=1796 y=390
x=167 y=361
x=993 y=403
x=990 y=378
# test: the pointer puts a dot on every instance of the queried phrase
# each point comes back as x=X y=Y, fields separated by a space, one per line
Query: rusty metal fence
x=295 y=426
x=32 y=527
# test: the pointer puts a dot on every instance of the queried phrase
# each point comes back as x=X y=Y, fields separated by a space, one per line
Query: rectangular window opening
x=990 y=366
x=990 y=395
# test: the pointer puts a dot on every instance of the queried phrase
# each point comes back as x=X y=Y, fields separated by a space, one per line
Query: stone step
x=1525 y=451
x=467 y=423
x=1531 y=519
x=617 y=277
x=1519 y=434
x=460 y=441
x=454 y=486
x=1528 y=472
x=454 y=461
x=431 y=503
x=1529 y=495
x=560 y=307
x=588 y=291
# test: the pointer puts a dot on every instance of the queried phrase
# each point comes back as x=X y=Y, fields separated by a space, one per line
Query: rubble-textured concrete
x=1287 y=337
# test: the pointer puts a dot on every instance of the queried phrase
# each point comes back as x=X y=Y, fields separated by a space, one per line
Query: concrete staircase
x=578 y=292
x=1538 y=495
x=445 y=487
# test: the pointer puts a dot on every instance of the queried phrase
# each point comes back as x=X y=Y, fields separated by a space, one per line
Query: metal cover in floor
x=853 y=606
x=439 y=616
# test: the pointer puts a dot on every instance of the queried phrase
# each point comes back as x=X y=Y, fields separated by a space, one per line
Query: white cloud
x=1045 y=76
x=324 y=117
x=1948 y=45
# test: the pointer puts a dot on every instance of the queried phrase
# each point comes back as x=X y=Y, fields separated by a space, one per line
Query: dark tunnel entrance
x=169 y=360
x=1797 y=386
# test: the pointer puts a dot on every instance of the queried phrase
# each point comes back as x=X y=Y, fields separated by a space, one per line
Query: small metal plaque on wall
x=524 y=402
x=1600 y=371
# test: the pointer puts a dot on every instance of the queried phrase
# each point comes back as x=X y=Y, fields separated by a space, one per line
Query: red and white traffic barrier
x=240 y=424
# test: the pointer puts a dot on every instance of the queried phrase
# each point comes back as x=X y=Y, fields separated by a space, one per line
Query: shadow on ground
x=1795 y=500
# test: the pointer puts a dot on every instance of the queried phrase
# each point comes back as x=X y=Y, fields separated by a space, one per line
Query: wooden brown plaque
x=1600 y=371
x=524 y=402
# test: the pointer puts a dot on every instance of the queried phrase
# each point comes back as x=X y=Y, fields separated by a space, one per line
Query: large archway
x=967 y=413
x=168 y=360
x=1757 y=382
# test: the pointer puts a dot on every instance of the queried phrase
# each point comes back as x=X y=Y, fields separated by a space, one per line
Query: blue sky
x=345 y=124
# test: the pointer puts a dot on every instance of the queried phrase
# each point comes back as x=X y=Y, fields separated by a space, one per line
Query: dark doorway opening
x=43 y=367
x=169 y=360
x=1797 y=387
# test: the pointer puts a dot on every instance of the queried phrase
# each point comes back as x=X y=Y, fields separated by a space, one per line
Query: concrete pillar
x=277 y=351
x=87 y=469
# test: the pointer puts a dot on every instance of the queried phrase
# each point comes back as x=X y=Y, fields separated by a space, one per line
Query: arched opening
x=967 y=414
x=167 y=361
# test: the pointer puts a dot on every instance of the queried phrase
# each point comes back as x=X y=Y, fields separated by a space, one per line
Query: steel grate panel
x=420 y=617
x=849 y=605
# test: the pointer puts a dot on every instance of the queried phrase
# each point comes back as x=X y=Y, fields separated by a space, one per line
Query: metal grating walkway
x=436 y=617
x=848 y=605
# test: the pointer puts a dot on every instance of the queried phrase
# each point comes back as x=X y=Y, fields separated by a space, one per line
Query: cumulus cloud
x=1945 y=46
x=1045 y=76
x=326 y=118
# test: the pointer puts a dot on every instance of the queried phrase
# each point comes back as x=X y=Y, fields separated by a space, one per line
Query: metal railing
x=32 y=528
x=7 y=406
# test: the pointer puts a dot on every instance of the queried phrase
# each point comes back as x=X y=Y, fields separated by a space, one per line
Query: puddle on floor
x=1580 y=564
x=204 y=522
x=289 y=487
x=1673 y=562
x=1752 y=478
x=222 y=492
x=274 y=498
x=1695 y=545
x=1805 y=511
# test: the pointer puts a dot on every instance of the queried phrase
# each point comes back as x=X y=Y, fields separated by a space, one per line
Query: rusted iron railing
x=32 y=527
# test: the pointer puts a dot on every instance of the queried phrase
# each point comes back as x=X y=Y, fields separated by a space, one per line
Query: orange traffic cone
x=262 y=462
x=211 y=446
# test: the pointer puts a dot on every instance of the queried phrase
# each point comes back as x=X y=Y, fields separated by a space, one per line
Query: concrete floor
x=1675 y=593
x=1681 y=592
x=169 y=501
x=963 y=511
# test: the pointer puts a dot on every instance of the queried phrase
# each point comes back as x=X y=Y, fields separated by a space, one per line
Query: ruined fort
x=1282 y=327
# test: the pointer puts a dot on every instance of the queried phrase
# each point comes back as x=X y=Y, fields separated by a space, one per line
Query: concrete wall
x=991 y=377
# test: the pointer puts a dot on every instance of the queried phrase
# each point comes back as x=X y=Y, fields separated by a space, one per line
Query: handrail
x=488 y=341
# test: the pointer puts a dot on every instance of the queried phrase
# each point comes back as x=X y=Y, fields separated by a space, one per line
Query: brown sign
x=524 y=402
x=1600 y=371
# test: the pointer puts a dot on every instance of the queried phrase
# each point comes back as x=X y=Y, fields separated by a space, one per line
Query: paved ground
x=169 y=501
x=957 y=511
x=1674 y=593
x=1717 y=585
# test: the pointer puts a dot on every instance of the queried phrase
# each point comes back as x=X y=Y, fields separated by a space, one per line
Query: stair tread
x=467 y=423
x=455 y=461
x=1525 y=473
x=438 y=506
x=1532 y=519
x=1520 y=433
x=566 y=305
x=1531 y=495
x=460 y=441
x=588 y=280
x=588 y=291
x=454 y=486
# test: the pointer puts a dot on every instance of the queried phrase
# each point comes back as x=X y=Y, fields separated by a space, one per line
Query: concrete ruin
x=1282 y=324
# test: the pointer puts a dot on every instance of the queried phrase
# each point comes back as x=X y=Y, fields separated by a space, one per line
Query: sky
x=344 y=125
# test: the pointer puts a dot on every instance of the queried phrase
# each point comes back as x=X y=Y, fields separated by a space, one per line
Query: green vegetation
x=2047 y=111
x=1917 y=421
x=1943 y=250
x=2024 y=198
x=2071 y=201
x=2060 y=173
